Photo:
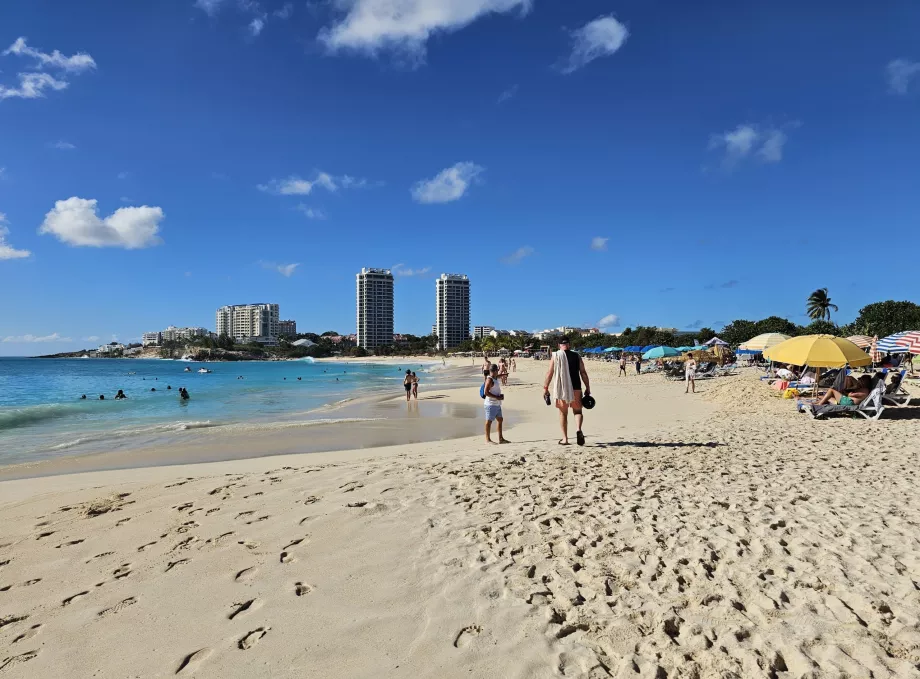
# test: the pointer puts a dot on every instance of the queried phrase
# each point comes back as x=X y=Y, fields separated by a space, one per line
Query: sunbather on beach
x=850 y=398
x=894 y=385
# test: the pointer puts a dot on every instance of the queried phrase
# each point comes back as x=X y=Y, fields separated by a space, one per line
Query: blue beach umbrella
x=660 y=352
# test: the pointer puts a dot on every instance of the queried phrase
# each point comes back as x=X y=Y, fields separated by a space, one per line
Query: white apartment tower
x=258 y=322
x=375 y=308
x=453 y=309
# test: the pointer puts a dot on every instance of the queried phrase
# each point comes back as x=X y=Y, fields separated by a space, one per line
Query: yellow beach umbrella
x=818 y=351
x=764 y=341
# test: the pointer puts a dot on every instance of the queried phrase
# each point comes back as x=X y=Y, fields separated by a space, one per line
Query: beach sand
x=715 y=535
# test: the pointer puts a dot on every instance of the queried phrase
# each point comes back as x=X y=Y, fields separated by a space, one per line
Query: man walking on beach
x=564 y=381
x=623 y=365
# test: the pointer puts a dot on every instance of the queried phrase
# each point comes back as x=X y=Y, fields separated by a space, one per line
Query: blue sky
x=666 y=163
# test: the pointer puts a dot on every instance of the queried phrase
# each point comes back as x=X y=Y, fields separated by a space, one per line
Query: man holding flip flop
x=564 y=382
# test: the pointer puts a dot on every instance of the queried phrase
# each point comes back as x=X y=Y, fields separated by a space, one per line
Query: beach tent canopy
x=609 y=349
x=764 y=341
x=715 y=341
x=649 y=347
x=660 y=352
x=889 y=345
x=685 y=348
x=633 y=349
x=818 y=351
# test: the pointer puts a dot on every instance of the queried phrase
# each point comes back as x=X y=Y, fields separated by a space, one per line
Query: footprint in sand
x=8 y=663
x=173 y=564
x=300 y=589
x=122 y=571
x=143 y=547
x=246 y=574
x=193 y=661
x=286 y=557
x=69 y=544
x=240 y=608
x=466 y=636
x=294 y=543
x=120 y=606
x=41 y=536
x=242 y=514
x=10 y=619
x=248 y=544
x=28 y=634
x=253 y=638
x=69 y=600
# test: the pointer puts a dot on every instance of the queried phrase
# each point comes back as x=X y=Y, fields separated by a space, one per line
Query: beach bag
x=482 y=391
x=791 y=392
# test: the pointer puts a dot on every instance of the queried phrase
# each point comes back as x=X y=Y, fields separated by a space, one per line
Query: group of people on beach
x=410 y=382
x=121 y=395
x=566 y=384
x=623 y=361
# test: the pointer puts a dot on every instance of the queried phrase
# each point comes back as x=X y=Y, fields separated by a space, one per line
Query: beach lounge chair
x=706 y=374
x=901 y=397
x=871 y=408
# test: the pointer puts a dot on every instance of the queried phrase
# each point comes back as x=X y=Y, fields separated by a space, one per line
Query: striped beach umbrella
x=911 y=340
x=862 y=341
x=764 y=341
x=889 y=345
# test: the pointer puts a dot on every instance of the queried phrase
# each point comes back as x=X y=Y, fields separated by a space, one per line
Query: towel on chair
x=561 y=386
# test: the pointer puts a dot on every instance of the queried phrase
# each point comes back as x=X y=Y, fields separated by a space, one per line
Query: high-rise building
x=453 y=309
x=287 y=328
x=257 y=322
x=375 y=308
x=481 y=331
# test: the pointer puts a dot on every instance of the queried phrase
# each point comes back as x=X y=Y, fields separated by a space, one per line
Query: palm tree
x=819 y=305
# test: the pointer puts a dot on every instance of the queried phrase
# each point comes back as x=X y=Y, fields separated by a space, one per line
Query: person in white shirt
x=690 y=373
x=493 y=404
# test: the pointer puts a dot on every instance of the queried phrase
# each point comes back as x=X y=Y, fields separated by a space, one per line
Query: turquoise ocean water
x=42 y=416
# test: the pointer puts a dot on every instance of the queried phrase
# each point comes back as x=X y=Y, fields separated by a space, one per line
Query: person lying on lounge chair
x=894 y=385
x=850 y=397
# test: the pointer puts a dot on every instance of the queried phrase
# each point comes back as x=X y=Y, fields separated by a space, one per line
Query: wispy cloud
x=7 y=251
x=91 y=338
x=727 y=284
x=33 y=84
x=598 y=243
x=599 y=38
x=667 y=289
x=899 y=73
x=61 y=145
x=765 y=144
x=310 y=212
x=696 y=325
x=286 y=270
x=374 y=26
x=298 y=186
x=123 y=175
x=27 y=339
x=448 y=185
x=518 y=255
x=209 y=7
x=510 y=93
x=256 y=26
x=285 y=12
x=402 y=270
x=608 y=321
x=75 y=221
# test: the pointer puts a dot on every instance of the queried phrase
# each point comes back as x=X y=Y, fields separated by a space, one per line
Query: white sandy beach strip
x=720 y=535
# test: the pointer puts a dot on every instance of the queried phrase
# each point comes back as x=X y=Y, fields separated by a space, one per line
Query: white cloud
x=77 y=63
x=766 y=144
x=2 y=173
x=599 y=38
x=285 y=12
x=518 y=255
x=256 y=26
x=209 y=7
x=7 y=251
x=899 y=73
x=310 y=212
x=608 y=321
x=32 y=86
x=599 y=244
x=74 y=221
x=510 y=93
x=123 y=175
x=62 y=145
x=401 y=270
x=405 y=26
x=448 y=185
x=91 y=338
x=297 y=186
x=22 y=339
x=285 y=270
